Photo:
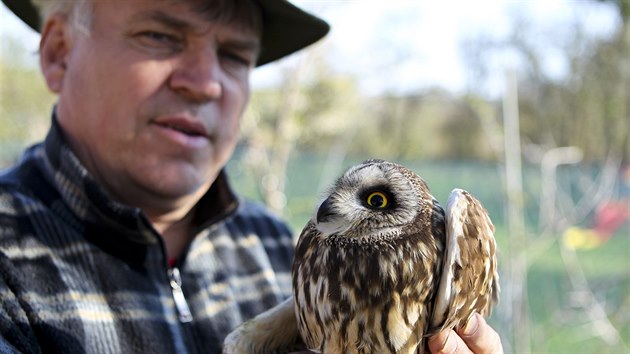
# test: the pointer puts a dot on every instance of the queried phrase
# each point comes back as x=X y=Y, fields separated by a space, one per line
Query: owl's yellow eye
x=377 y=200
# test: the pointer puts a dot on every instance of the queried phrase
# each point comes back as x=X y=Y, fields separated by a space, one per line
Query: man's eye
x=237 y=58
x=159 y=42
x=159 y=37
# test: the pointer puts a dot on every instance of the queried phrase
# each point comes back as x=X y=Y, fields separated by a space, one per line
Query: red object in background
x=610 y=216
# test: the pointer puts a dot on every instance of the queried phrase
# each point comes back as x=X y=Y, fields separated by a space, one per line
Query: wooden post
x=517 y=293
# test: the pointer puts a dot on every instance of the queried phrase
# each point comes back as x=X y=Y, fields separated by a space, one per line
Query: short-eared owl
x=379 y=267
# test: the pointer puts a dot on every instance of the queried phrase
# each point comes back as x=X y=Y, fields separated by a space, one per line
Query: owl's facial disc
x=372 y=199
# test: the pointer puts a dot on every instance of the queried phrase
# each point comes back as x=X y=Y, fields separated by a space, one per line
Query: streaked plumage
x=380 y=266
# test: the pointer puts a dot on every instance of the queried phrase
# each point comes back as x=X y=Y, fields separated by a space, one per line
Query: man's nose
x=197 y=76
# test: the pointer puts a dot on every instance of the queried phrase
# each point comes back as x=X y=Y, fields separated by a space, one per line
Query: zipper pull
x=183 y=310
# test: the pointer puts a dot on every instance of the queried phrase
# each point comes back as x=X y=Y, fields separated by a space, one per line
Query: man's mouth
x=185 y=126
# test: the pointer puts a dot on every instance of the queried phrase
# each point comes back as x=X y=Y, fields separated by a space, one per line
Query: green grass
x=560 y=323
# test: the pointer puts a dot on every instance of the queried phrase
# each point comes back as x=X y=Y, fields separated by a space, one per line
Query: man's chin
x=171 y=182
x=180 y=189
x=170 y=187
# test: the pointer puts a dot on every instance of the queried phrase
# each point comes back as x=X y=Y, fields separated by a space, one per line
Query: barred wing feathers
x=469 y=282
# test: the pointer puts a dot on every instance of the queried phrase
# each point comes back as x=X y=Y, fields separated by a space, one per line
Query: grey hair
x=78 y=12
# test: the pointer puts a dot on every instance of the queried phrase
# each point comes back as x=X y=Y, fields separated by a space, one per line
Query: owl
x=379 y=267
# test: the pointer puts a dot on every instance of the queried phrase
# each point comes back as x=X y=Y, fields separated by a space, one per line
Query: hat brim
x=286 y=28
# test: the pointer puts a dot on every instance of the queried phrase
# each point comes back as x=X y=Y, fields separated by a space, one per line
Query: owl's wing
x=469 y=282
x=273 y=331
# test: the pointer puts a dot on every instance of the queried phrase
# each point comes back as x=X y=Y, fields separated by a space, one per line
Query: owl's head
x=374 y=198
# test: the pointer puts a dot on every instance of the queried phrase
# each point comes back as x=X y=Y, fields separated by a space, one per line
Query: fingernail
x=472 y=325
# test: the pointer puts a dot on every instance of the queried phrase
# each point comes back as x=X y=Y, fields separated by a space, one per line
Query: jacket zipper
x=181 y=304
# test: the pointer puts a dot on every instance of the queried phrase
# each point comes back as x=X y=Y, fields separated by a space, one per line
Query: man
x=119 y=233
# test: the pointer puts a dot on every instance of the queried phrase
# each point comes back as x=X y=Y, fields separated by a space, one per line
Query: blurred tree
x=623 y=6
x=310 y=110
x=589 y=108
x=463 y=135
x=430 y=125
x=25 y=102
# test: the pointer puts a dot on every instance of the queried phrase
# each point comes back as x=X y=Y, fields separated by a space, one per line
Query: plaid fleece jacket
x=80 y=273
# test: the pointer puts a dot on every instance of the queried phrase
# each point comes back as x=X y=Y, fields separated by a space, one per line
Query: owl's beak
x=325 y=211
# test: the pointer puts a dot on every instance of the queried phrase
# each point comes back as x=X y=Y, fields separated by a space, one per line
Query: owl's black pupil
x=377 y=200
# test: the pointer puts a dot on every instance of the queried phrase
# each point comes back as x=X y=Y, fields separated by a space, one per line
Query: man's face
x=152 y=98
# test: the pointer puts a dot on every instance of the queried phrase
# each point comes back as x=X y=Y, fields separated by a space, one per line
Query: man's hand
x=477 y=337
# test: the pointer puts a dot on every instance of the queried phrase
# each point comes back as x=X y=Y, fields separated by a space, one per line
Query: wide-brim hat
x=286 y=28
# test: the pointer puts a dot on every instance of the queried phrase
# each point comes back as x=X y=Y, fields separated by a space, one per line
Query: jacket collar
x=91 y=202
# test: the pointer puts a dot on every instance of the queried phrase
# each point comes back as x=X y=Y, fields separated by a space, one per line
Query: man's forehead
x=242 y=12
x=196 y=16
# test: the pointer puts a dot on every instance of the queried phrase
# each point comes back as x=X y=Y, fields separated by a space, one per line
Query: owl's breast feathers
x=374 y=290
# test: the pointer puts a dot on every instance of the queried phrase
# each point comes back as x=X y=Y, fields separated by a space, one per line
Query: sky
x=407 y=45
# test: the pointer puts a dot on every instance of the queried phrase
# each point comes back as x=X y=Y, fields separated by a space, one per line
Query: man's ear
x=54 y=49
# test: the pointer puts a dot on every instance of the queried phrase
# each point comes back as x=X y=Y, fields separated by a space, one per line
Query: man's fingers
x=480 y=337
x=477 y=337
x=447 y=342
